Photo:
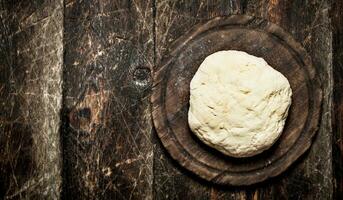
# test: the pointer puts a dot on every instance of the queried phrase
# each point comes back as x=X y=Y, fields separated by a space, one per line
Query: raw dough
x=238 y=103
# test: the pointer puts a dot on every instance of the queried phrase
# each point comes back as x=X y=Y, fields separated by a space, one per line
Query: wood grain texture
x=337 y=117
x=170 y=98
x=107 y=127
x=110 y=149
x=31 y=59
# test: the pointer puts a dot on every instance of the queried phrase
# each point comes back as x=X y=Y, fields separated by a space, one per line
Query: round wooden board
x=170 y=98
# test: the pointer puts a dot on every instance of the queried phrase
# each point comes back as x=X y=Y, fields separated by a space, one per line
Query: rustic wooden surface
x=170 y=98
x=107 y=126
x=31 y=59
x=337 y=41
x=110 y=149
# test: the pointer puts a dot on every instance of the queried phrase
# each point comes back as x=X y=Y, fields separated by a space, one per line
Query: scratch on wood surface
x=129 y=161
x=317 y=23
x=33 y=62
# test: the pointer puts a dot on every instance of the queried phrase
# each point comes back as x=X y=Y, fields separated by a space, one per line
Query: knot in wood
x=142 y=77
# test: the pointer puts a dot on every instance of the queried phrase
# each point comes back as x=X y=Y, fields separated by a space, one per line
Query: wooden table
x=75 y=87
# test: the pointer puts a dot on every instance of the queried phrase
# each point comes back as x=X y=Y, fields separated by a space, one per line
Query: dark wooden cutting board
x=171 y=96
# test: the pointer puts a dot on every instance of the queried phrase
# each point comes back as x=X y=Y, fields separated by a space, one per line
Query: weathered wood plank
x=106 y=113
x=31 y=59
x=337 y=41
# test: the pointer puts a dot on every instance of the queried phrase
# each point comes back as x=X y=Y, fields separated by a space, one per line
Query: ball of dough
x=238 y=103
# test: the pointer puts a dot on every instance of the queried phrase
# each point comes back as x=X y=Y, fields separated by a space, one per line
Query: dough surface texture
x=238 y=103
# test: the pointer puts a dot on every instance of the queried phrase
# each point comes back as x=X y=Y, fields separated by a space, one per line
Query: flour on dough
x=238 y=103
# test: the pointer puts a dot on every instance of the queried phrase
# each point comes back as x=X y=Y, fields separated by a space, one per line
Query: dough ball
x=238 y=103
